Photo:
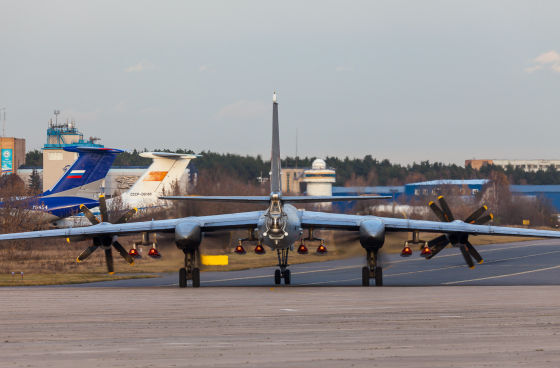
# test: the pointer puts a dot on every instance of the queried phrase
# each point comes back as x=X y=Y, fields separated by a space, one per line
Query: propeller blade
x=437 y=244
x=446 y=210
x=439 y=213
x=473 y=252
x=484 y=219
x=127 y=216
x=103 y=208
x=475 y=215
x=123 y=252
x=466 y=256
x=87 y=252
x=109 y=260
x=89 y=215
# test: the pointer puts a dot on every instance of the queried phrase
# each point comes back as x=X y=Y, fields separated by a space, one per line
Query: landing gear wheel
x=378 y=276
x=277 y=277
x=287 y=277
x=283 y=272
x=365 y=276
x=196 y=277
x=190 y=271
x=182 y=277
x=372 y=270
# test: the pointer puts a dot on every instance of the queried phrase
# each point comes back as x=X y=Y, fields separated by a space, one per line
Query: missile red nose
x=406 y=252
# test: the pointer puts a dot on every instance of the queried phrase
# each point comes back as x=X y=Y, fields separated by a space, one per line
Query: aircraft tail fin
x=166 y=169
x=85 y=175
x=275 y=162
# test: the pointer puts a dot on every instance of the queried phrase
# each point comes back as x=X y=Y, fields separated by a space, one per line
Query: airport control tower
x=55 y=159
x=319 y=179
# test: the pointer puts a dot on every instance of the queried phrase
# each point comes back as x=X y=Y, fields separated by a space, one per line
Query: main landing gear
x=283 y=272
x=191 y=270
x=372 y=270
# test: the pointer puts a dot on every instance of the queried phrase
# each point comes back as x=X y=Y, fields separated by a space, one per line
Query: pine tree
x=35 y=183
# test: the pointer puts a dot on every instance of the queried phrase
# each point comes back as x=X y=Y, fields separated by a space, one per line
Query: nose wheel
x=372 y=270
x=282 y=272
x=191 y=270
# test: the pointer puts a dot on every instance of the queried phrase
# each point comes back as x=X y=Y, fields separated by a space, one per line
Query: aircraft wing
x=240 y=220
x=323 y=220
x=266 y=199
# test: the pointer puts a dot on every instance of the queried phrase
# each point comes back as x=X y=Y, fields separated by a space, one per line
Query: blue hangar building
x=467 y=188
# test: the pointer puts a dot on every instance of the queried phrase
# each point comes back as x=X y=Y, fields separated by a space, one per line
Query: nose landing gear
x=283 y=272
x=191 y=270
x=373 y=270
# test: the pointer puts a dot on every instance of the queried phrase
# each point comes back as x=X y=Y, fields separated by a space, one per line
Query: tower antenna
x=56 y=113
x=296 y=147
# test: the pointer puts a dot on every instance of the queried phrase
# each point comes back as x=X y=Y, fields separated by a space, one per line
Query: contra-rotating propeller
x=106 y=241
x=458 y=239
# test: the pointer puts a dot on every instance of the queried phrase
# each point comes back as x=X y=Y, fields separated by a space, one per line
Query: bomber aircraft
x=281 y=225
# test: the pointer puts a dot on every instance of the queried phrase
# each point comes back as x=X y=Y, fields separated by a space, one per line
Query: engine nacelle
x=188 y=235
x=372 y=234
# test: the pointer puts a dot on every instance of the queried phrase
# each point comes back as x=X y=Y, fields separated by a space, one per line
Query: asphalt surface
x=284 y=327
x=523 y=263
x=153 y=323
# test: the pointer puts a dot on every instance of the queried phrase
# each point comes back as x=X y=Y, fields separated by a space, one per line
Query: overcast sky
x=404 y=80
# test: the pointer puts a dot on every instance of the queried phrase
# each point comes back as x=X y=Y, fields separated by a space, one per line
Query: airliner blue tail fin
x=85 y=175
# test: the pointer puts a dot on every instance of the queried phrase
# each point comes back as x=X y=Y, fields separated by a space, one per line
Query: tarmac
x=254 y=324
x=525 y=263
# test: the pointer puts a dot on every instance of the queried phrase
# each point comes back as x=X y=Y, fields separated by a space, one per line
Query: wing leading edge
x=322 y=220
x=241 y=220
x=309 y=219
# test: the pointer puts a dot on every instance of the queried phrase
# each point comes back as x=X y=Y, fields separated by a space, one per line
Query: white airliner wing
x=242 y=220
x=323 y=220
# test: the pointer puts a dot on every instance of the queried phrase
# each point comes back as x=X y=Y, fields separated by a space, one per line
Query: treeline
x=366 y=171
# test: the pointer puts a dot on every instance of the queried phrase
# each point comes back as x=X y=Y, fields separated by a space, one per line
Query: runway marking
x=487 y=262
x=329 y=282
x=359 y=266
x=486 y=251
x=391 y=264
x=293 y=273
x=438 y=269
x=502 y=276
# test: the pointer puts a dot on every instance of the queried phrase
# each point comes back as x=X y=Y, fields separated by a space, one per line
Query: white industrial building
x=525 y=165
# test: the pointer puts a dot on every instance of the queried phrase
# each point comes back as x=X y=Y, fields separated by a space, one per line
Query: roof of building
x=534 y=188
x=368 y=190
x=451 y=182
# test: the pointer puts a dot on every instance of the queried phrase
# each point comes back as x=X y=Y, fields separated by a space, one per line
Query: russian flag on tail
x=76 y=174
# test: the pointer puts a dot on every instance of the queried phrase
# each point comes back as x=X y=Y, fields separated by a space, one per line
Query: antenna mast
x=296 y=147
x=56 y=113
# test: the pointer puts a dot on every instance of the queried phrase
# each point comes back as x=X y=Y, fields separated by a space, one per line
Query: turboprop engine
x=372 y=234
x=188 y=235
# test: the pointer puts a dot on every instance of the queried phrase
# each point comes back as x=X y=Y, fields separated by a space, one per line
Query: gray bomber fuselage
x=282 y=233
